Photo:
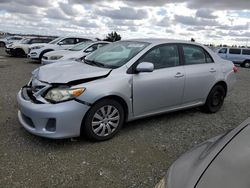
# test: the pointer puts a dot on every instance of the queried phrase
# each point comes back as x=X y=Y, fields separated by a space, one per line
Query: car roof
x=161 y=41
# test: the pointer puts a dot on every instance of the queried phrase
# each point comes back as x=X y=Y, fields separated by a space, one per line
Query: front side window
x=116 y=54
x=223 y=51
x=68 y=41
x=195 y=55
x=55 y=41
x=234 y=51
x=163 y=56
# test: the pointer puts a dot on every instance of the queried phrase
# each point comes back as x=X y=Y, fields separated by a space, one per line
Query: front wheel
x=103 y=120
x=215 y=99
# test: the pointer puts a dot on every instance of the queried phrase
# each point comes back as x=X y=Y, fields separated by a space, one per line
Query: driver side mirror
x=145 y=67
x=60 y=43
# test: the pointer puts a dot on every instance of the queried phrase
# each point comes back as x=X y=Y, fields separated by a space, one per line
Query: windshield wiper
x=92 y=62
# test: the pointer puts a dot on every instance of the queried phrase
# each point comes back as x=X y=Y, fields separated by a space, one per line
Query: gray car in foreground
x=121 y=82
x=221 y=162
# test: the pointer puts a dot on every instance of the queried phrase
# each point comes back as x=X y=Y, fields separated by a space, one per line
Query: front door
x=163 y=88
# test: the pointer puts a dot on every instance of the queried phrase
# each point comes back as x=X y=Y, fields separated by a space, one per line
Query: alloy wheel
x=105 y=120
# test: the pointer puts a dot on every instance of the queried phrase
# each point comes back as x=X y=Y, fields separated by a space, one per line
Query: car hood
x=65 y=53
x=42 y=44
x=187 y=170
x=69 y=72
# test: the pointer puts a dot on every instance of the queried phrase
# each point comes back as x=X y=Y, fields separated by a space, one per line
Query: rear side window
x=234 y=51
x=196 y=55
x=246 y=51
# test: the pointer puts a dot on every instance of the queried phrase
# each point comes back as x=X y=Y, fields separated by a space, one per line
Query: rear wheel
x=103 y=120
x=246 y=64
x=215 y=99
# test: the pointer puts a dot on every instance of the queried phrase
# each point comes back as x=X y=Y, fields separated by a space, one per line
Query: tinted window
x=234 y=51
x=82 y=40
x=163 y=56
x=223 y=51
x=246 y=51
x=194 y=55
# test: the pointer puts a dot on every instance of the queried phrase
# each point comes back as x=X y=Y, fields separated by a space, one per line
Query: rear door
x=163 y=88
x=201 y=74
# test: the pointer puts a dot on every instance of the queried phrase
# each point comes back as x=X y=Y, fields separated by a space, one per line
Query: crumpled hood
x=68 y=71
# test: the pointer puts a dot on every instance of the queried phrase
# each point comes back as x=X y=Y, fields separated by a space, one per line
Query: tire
x=246 y=64
x=2 y=44
x=19 y=53
x=103 y=120
x=215 y=99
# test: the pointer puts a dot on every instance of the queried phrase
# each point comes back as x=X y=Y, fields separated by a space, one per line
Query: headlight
x=63 y=94
x=37 y=47
x=55 y=57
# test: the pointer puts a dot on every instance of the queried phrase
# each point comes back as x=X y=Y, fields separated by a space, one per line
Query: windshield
x=115 y=55
x=55 y=40
x=80 y=46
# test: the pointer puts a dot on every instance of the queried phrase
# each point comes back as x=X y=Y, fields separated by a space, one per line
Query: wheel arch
x=113 y=97
x=44 y=51
x=223 y=84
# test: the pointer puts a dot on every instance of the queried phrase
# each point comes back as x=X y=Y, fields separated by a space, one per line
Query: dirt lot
x=137 y=157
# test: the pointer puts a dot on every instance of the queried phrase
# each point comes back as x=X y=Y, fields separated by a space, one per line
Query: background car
x=239 y=56
x=36 y=51
x=21 y=48
x=9 y=40
x=144 y=77
x=78 y=51
x=221 y=162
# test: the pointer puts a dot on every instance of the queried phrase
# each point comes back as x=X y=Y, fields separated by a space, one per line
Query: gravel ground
x=137 y=157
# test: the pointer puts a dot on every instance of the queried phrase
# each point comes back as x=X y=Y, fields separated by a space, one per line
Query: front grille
x=27 y=94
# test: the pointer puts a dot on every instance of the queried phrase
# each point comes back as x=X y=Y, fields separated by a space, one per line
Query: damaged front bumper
x=62 y=120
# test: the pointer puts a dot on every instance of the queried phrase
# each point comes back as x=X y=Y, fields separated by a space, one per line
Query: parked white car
x=239 y=56
x=36 y=51
x=78 y=51
x=20 y=49
x=9 y=40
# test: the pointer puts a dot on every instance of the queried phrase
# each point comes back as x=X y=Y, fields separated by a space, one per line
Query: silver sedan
x=121 y=82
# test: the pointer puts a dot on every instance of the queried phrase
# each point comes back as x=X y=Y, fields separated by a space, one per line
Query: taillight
x=235 y=69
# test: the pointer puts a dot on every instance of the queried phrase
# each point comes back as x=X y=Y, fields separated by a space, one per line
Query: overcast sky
x=208 y=21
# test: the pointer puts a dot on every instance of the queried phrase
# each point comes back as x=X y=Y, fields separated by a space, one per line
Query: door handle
x=179 y=75
x=212 y=70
